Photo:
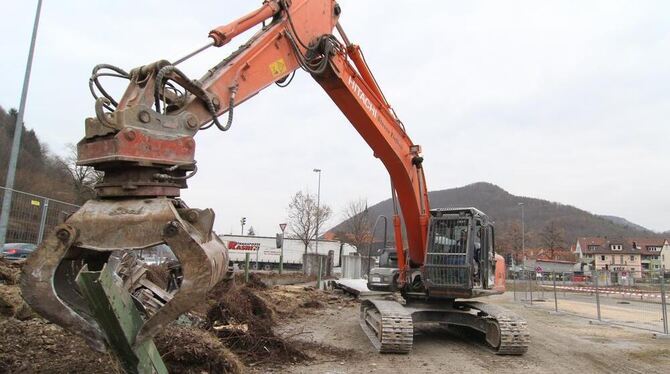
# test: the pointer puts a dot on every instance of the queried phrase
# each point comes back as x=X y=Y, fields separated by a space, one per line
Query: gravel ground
x=560 y=343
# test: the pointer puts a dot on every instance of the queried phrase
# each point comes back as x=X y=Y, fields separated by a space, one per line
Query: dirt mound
x=9 y=272
x=36 y=346
x=12 y=304
x=190 y=350
x=255 y=281
x=244 y=322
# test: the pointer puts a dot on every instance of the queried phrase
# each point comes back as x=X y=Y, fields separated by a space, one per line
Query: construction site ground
x=559 y=343
x=299 y=329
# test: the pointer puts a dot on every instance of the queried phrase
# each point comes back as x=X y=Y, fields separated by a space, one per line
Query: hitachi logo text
x=361 y=95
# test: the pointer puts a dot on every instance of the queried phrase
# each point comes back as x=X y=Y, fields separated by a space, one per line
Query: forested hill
x=38 y=171
x=504 y=209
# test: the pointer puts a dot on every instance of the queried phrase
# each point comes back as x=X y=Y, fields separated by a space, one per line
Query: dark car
x=17 y=251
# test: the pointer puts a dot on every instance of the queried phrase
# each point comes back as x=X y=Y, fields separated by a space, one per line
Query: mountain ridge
x=503 y=208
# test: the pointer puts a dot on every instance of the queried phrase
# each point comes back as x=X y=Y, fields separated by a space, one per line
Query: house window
x=632 y=258
x=632 y=269
x=602 y=258
x=616 y=247
x=593 y=247
x=621 y=259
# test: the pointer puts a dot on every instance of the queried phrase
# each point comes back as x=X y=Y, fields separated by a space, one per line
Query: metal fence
x=631 y=298
x=32 y=216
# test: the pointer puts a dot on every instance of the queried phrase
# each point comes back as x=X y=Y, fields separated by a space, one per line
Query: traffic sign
x=282 y=226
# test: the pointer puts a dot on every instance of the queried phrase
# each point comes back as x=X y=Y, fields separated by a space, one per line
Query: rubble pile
x=244 y=321
x=191 y=350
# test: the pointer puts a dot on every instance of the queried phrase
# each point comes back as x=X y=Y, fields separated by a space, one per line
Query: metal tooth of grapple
x=103 y=226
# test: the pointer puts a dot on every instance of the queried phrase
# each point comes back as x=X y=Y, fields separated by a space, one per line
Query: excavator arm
x=299 y=36
x=144 y=143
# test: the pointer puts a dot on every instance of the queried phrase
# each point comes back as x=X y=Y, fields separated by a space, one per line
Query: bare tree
x=83 y=178
x=510 y=241
x=357 y=230
x=552 y=237
x=302 y=217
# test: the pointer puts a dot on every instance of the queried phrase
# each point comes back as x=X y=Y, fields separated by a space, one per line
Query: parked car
x=17 y=251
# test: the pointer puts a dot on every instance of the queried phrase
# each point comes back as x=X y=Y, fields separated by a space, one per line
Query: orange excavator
x=144 y=143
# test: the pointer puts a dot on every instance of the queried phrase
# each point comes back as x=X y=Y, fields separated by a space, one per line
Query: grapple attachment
x=101 y=227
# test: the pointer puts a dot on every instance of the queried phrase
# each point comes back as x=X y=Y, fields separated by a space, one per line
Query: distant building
x=543 y=260
x=637 y=255
x=559 y=254
x=665 y=256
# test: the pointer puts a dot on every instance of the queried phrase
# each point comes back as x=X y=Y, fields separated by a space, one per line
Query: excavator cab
x=460 y=255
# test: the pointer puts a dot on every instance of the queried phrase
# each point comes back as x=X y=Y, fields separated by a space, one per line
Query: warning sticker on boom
x=278 y=68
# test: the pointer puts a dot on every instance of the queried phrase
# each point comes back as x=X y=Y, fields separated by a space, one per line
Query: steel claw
x=100 y=227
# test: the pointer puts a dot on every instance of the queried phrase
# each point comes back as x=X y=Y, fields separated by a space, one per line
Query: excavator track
x=507 y=332
x=388 y=326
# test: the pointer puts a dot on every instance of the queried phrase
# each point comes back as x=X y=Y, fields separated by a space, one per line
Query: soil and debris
x=9 y=272
x=36 y=346
x=232 y=331
x=190 y=350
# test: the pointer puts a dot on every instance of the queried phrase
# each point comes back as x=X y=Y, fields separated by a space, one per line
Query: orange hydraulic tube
x=224 y=34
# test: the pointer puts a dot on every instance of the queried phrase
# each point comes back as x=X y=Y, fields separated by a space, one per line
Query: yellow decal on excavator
x=278 y=68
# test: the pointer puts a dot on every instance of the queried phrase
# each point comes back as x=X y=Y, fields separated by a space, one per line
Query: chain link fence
x=33 y=216
x=630 y=298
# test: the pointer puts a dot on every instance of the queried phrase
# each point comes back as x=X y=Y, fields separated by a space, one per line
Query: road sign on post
x=282 y=226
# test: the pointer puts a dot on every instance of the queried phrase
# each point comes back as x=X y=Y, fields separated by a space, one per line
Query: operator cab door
x=448 y=255
x=484 y=257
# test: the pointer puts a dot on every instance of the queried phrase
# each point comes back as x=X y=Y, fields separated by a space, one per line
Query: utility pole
x=18 y=129
x=318 y=210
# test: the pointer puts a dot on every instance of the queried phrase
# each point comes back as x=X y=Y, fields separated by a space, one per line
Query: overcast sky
x=562 y=100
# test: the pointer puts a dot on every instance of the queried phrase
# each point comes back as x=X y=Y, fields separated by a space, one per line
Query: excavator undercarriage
x=390 y=325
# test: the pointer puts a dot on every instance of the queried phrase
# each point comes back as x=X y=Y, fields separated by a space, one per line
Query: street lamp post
x=318 y=209
x=243 y=220
x=18 y=130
